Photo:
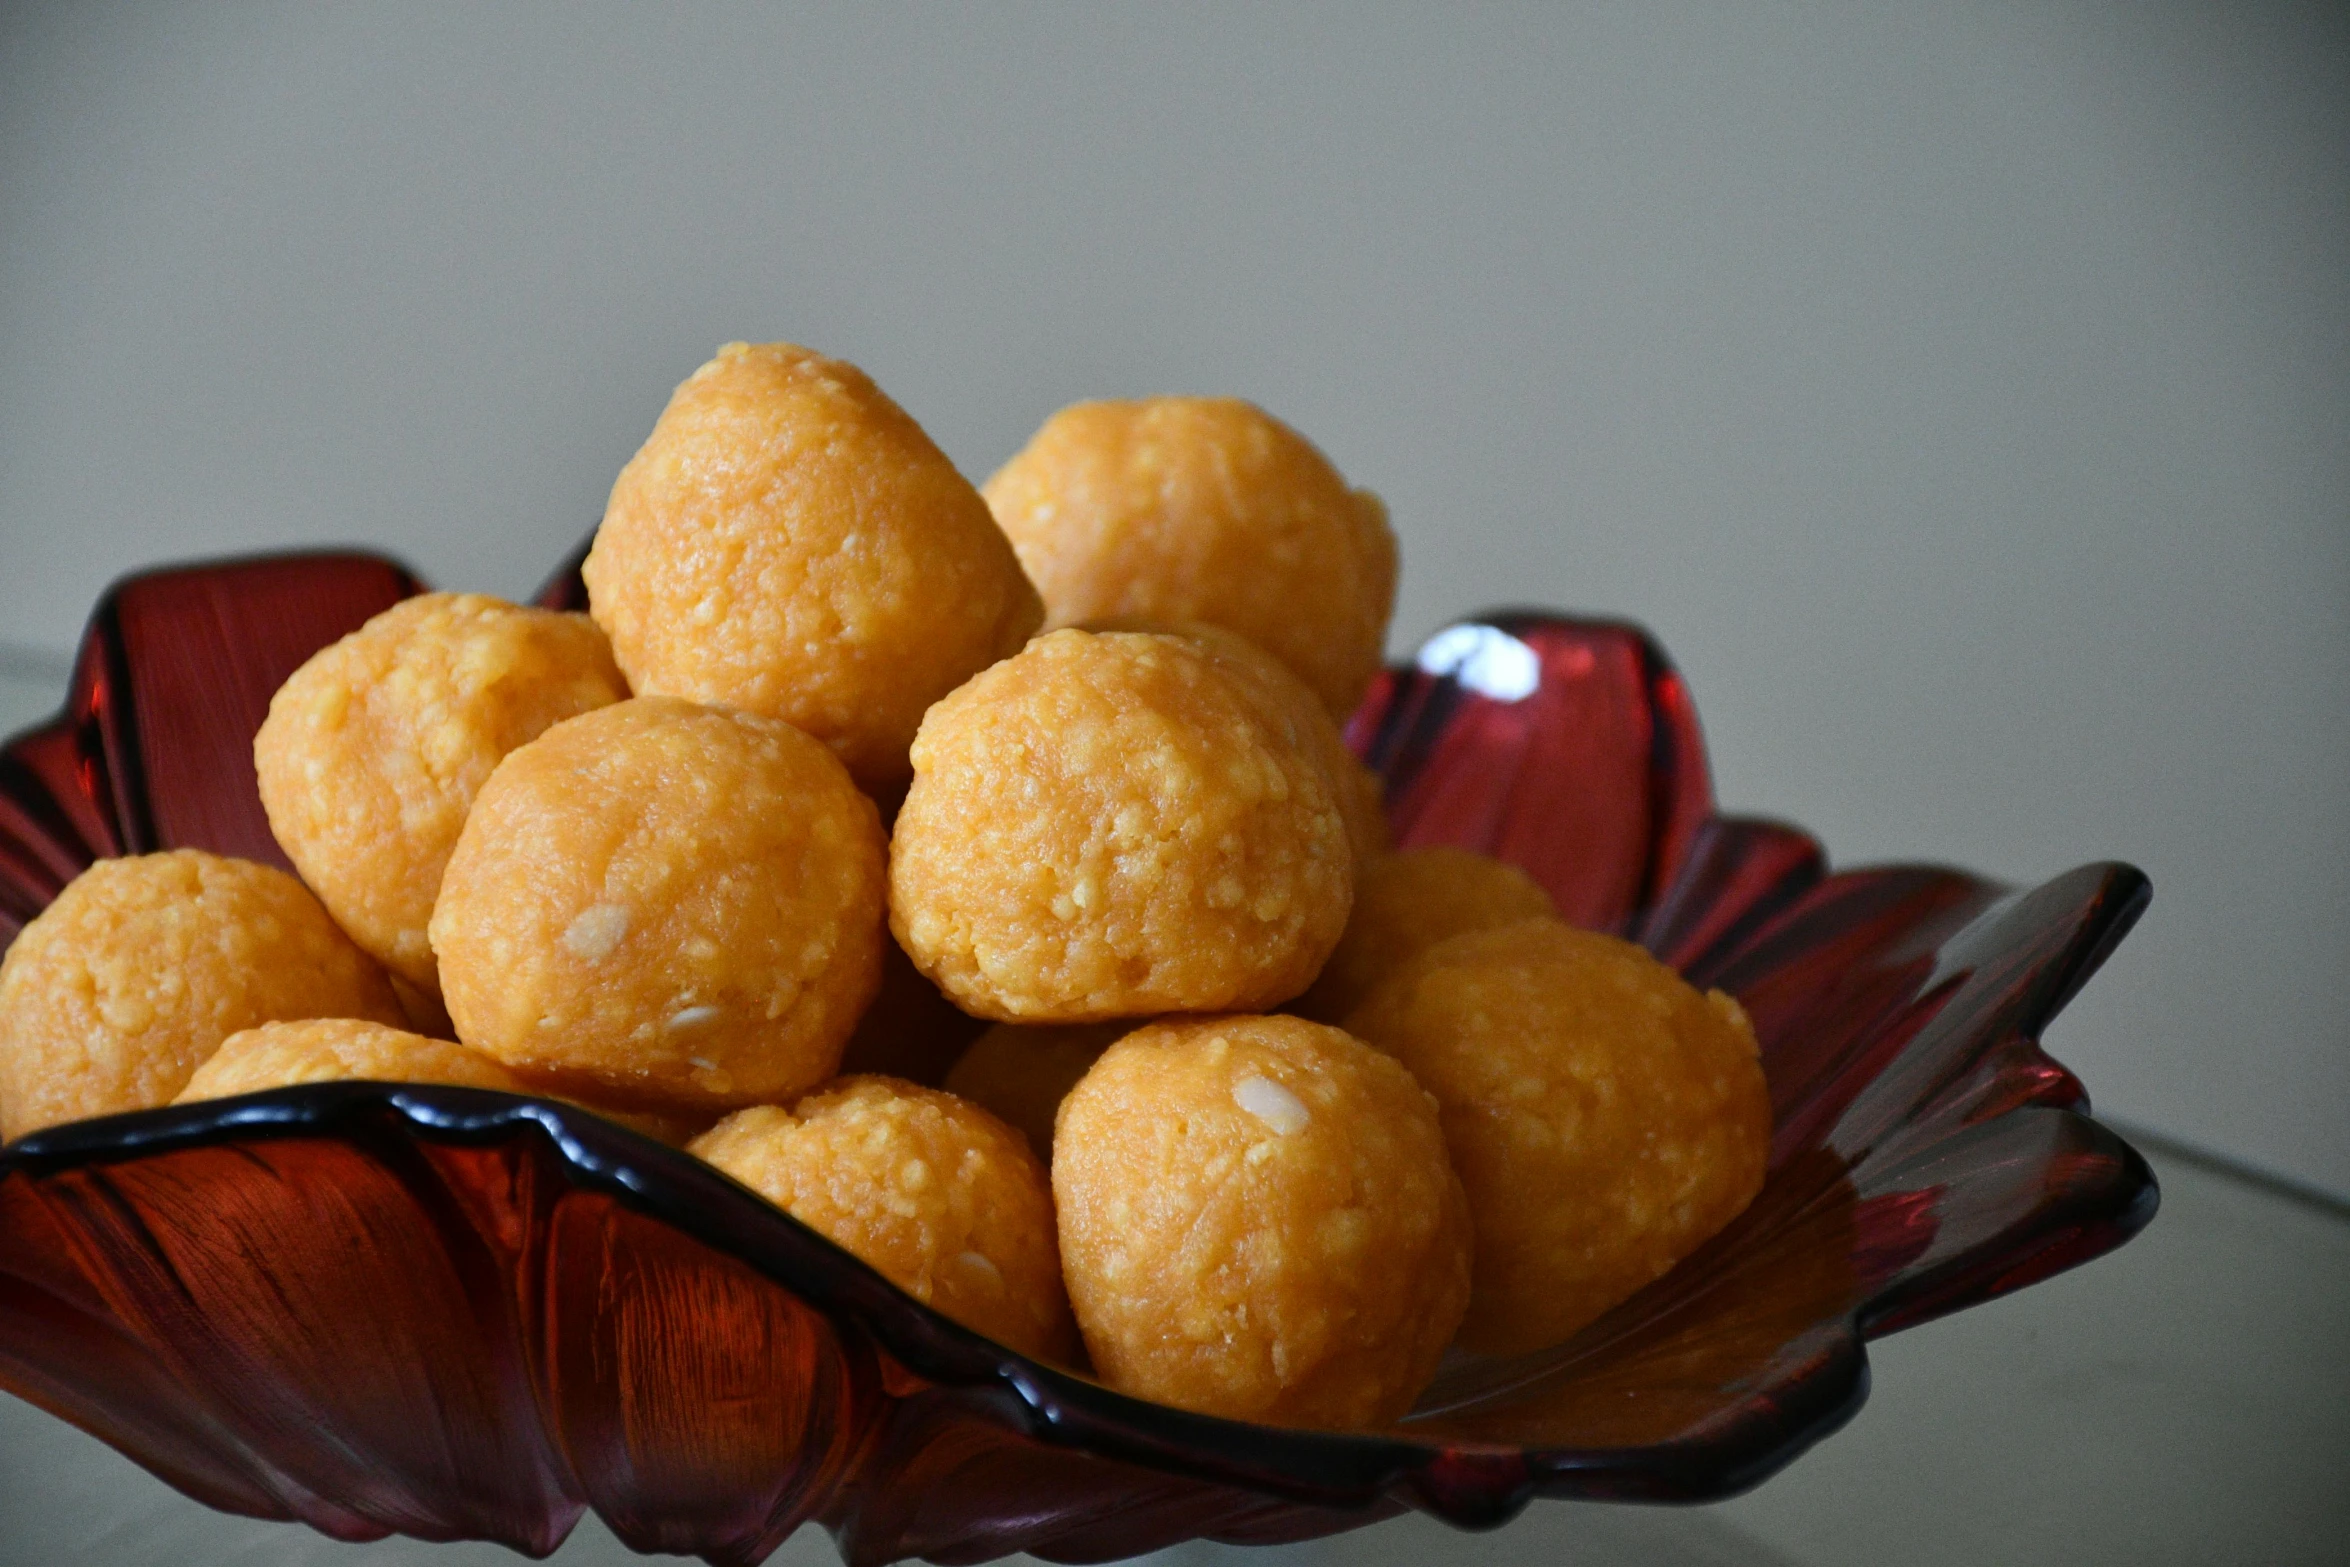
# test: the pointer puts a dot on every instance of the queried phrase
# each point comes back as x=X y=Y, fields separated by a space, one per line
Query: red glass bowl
x=457 y=1314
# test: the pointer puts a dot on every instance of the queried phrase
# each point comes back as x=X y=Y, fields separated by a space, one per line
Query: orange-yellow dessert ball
x=664 y=905
x=1407 y=902
x=1361 y=796
x=938 y=1195
x=789 y=542
x=1111 y=826
x=372 y=752
x=1205 y=508
x=1022 y=1071
x=1606 y=1117
x=127 y=983
x=1258 y=1221
x=334 y=1050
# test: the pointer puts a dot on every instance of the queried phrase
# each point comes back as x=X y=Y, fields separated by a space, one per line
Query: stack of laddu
x=847 y=750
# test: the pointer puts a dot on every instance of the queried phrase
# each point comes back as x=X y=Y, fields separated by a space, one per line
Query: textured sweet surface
x=788 y=541
x=131 y=979
x=334 y=1050
x=1361 y=800
x=1022 y=1071
x=374 y=749
x=666 y=905
x=1111 y=826
x=1258 y=1221
x=930 y=1189
x=1406 y=903
x=1204 y=508
x=329 y=1050
x=1605 y=1117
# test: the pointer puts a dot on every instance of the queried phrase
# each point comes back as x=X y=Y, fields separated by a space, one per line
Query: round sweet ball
x=1022 y=1071
x=1605 y=1116
x=1258 y=1221
x=1360 y=794
x=1111 y=826
x=1205 y=508
x=789 y=542
x=1362 y=798
x=334 y=1050
x=665 y=906
x=337 y=1050
x=117 y=992
x=939 y=1196
x=1407 y=902
x=373 y=751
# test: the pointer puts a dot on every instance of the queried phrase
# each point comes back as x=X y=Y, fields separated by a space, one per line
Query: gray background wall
x=1958 y=390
